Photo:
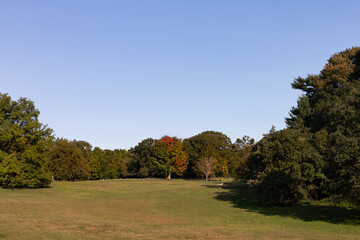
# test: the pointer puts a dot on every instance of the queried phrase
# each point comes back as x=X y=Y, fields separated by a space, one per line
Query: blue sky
x=116 y=72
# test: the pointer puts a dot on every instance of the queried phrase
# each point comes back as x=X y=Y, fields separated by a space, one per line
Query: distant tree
x=244 y=142
x=24 y=145
x=112 y=162
x=85 y=147
x=67 y=161
x=169 y=157
x=272 y=130
x=95 y=169
x=194 y=146
x=140 y=163
x=221 y=167
x=206 y=163
x=94 y=164
x=241 y=148
x=143 y=172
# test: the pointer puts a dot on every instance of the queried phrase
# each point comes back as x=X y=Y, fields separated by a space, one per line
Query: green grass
x=159 y=209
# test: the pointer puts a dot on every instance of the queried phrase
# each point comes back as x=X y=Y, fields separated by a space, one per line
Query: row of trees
x=75 y=160
x=30 y=156
x=318 y=155
x=206 y=154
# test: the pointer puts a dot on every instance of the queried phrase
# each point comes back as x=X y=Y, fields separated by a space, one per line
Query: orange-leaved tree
x=169 y=157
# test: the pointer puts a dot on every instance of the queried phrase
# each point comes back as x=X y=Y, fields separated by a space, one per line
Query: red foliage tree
x=169 y=156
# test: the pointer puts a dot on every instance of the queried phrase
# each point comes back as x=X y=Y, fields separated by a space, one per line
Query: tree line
x=316 y=156
x=31 y=157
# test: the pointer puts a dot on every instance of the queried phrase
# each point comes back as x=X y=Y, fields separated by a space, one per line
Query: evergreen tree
x=330 y=109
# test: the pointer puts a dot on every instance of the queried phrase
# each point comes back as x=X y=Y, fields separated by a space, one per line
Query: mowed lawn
x=159 y=209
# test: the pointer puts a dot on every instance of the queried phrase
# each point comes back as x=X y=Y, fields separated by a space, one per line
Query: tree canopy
x=168 y=156
x=194 y=147
x=141 y=163
x=330 y=109
x=286 y=165
x=67 y=161
x=24 y=144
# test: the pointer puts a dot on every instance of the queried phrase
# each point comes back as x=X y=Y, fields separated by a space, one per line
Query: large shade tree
x=168 y=157
x=194 y=147
x=24 y=144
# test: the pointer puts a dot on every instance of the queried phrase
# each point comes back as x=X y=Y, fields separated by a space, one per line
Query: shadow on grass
x=244 y=198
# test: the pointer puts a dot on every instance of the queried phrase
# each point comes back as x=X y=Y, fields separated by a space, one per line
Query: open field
x=159 y=209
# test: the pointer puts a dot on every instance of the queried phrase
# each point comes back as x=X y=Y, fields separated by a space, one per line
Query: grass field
x=159 y=209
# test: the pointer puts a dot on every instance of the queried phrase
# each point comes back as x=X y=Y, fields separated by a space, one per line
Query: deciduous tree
x=140 y=163
x=206 y=163
x=24 y=144
x=194 y=146
x=287 y=166
x=68 y=162
x=169 y=157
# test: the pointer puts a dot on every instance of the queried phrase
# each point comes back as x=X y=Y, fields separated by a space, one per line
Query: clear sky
x=116 y=72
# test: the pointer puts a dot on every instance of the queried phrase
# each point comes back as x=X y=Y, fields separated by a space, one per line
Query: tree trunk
x=168 y=177
x=206 y=178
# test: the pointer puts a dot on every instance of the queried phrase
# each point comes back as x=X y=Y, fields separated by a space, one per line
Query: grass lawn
x=159 y=209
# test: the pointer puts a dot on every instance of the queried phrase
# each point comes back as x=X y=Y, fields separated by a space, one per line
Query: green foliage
x=143 y=172
x=195 y=145
x=94 y=164
x=67 y=161
x=330 y=109
x=112 y=162
x=343 y=169
x=75 y=160
x=141 y=163
x=241 y=149
x=161 y=158
x=331 y=98
x=24 y=144
x=95 y=172
x=169 y=157
x=221 y=167
x=157 y=158
x=286 y=165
